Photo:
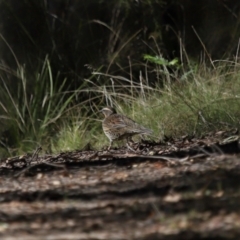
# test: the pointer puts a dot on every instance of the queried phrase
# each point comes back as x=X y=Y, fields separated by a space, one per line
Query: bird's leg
x=110 y=145
x=128 y=146
x=142 y=137
x=130 y=140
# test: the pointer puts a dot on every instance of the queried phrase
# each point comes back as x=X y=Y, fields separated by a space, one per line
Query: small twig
x=35 y=154
x=214 y=147
x=193 y=157
x=38 y=165
x=217 y=148
x=168 y=159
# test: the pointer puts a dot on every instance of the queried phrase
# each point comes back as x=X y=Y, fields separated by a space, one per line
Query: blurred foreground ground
x=184 y=188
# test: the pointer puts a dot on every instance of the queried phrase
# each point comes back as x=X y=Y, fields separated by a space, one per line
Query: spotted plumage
x=117 y=126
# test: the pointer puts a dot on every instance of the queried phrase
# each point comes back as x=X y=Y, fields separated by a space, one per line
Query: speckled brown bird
x=117 y=126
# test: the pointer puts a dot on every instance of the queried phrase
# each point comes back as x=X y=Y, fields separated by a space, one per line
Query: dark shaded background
x=74 y=33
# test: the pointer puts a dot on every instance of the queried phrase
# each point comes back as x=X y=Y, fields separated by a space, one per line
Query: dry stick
x=173 y=159
x=35 y=154
x=195 y=156
x=170 y=160
x=218 y=149
x=208 y=153
x=141 y=156
x=39 y=164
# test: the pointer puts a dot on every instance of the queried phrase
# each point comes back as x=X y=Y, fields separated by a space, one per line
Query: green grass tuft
x=193 y=101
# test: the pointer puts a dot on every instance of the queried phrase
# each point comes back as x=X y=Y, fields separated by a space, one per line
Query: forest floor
x=186 y=188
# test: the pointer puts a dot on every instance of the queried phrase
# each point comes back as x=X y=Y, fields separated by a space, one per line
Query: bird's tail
x=145 y=131
x=148 y=131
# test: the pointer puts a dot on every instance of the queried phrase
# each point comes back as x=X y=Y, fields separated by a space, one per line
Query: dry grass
x=198 y=100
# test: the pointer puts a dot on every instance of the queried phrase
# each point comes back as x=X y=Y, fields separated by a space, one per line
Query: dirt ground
x=184 y=188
